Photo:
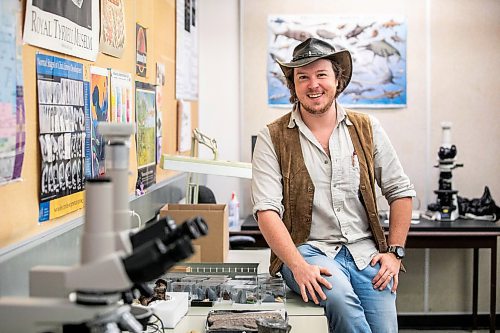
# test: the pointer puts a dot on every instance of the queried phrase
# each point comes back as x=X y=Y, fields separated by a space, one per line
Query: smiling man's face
x=316 y=86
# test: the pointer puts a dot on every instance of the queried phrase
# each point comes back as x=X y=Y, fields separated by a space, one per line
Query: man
x=313 y=189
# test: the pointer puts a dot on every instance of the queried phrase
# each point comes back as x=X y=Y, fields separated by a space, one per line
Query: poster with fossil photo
x=62 y=103
x=112 y=27
x=378 y=49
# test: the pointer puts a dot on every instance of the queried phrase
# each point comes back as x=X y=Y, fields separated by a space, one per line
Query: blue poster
x=62 y=101
x=377 y=46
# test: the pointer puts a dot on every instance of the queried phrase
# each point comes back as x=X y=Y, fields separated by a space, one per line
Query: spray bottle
x=234 y=211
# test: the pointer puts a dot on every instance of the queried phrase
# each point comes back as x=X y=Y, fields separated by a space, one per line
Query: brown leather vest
x=298 y=188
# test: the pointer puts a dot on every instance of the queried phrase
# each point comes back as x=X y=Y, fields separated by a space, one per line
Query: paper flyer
x=61 y=105
x=186 y=65
x=184 y=126
x=121 y=97
x=65 y=26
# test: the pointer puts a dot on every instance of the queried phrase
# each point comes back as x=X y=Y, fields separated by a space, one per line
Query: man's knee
x=340 y=299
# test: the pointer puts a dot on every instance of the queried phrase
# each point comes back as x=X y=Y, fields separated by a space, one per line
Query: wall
x=19 y=201
x=452 y=67
x=219 y=103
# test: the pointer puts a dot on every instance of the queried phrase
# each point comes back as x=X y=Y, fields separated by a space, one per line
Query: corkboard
x=19 y=200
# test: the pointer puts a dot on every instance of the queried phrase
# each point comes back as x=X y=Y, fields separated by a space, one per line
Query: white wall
x=452 y=75
x=219 y=84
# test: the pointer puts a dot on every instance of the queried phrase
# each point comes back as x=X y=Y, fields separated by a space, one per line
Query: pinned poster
x=184 y=126
x=160 y=74
x=12 y=115
x=145 y=115
x=186 y=39
x=121 y=97
x=113 y=27
x=99 y=106
x=65 y=26
x=141 y=50
x=62 y=99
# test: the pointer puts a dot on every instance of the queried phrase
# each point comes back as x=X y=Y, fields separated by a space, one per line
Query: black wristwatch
x=398 y=251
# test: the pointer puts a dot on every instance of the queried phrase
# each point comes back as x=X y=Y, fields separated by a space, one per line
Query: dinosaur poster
x=378 y=49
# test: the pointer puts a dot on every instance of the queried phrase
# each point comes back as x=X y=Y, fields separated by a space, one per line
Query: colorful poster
x=112 y=27
x=378 y=49
x=61 y=117
x=121 y=97
x=12 y=116
x=99 y=87
x=141 y=50
x=66 y=26
x=186 y=64
x=145 y=115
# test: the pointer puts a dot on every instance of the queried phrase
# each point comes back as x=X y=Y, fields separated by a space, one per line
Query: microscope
x=446 y=206
x=116 y=262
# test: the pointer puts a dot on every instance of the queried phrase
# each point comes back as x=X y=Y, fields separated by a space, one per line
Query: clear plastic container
x=245 y=294
x=188 y=287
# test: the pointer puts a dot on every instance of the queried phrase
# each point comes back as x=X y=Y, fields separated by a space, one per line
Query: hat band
x=309 y=55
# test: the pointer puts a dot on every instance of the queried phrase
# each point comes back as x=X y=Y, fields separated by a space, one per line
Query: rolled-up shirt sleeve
x=267 y=188
x=389 y=173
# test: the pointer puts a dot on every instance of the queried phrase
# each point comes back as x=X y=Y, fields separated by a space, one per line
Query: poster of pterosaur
x=378 y=49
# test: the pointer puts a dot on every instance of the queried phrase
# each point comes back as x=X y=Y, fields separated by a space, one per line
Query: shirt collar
x=297 y=118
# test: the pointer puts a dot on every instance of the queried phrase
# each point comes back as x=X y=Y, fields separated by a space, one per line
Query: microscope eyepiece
x=167 y=231
x=446 y=153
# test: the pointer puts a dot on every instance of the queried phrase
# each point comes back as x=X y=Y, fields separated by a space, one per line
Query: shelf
x=208 y=167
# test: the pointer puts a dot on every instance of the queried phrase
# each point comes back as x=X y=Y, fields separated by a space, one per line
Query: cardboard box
x=196 y=256
x=215 y=245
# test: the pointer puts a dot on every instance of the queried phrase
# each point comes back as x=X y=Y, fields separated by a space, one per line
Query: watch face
x=400 y=252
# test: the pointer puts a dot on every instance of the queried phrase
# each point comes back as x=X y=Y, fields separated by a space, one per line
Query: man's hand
x=389 y=269
x=309 y=280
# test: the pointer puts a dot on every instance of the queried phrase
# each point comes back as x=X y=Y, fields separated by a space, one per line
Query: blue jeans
x=352 y=305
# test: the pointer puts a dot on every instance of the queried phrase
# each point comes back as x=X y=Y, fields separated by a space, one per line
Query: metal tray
x=249 y=315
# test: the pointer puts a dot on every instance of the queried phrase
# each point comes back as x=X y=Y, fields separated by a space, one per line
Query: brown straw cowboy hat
x=314 y=49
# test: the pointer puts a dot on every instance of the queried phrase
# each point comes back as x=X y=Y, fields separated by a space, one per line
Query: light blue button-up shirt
x=338 y=216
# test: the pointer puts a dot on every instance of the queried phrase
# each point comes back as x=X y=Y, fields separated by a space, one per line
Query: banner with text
x=66 y=26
